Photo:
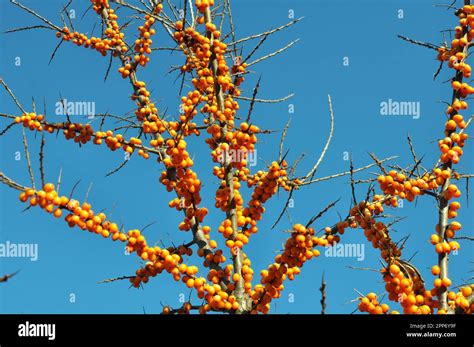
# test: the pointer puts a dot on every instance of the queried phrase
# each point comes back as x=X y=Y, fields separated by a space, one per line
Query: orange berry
x=446 y=282
x=466 y=291
x=434 y=239
x=48 y=187
x=394 y=269
x=435 y=270
x=58 y=213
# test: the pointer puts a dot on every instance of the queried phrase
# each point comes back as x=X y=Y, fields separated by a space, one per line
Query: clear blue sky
x=381 y=67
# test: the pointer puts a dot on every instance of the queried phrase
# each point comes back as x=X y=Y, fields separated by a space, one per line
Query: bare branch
x=7 y=277
x=323 y=295
x=310 y=174
x=273 y=53
x=28 y=159
x=345 y=173
x=53 y=26
x=266 y=101
x=12 y=95
x=269 y=32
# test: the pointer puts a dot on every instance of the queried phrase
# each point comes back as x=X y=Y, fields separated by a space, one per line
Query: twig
x=378 y=162
x=320 y=214
x=12 y=95
x=419 y=43
x=109 y=280
x=270 y=55
x=28 y=159
x=412 y=150
x=323 y=295
x=41 y=159
x=7 y=277
x=283 y=136
x=269 y=32
x=265 y=101
x=55 y=27
x=280 y=216
x=9 y=182
x=117 y=168
x=252 y=102
x=310 y=174
x=345 y=173
x=59 y=180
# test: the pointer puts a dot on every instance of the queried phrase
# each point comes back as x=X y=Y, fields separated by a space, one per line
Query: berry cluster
x=31 y=121
x=370 y=304
x=143 y=43
x=298 y=250
x=114 y=40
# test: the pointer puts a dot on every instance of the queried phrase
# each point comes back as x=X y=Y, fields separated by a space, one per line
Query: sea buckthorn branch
x=231 y=171
x=84 y=133
x=233 y=198
x=146 y=110
x=266 y=185
x=227 y=229
x=345 y=173
x=49 y=23
x=180 y=39
x=456 y=57
x=369 y=303
x=400 y=186
x=271 y=55
x=114 y=42
x=25 y=142
x=266 y=101
x=296 y=183
x=322 y=289
x=175 y=154
x=225 y=140
x=461 y=302
x=403 y=280
x=217 y=113
x=178 y=175
x=186 y=308
x=298 y=249
x=265 y=33
x=158 y=259
x=97 y=9
x=11 y=183
x=143 y=43
x=229 y=287
x=160 y=16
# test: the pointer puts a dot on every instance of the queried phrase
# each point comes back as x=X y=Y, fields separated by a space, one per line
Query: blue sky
x=381 y=67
